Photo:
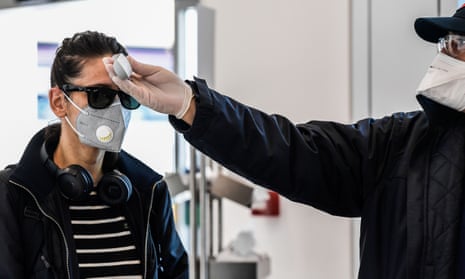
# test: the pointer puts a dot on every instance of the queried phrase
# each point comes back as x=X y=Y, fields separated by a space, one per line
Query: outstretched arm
x=156 y=88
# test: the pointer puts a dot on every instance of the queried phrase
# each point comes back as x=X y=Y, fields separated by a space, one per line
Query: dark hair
x=73 y=52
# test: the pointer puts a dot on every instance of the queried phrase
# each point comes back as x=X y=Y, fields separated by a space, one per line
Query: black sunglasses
x=100 y=97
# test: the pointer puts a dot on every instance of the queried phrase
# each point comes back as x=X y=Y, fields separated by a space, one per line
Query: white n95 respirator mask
x=444 y=82
x=101 y=128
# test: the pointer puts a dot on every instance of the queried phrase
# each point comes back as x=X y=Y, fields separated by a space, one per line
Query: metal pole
x=220 y=225
x=193 y=268
x=211 y=252
x=203 y=220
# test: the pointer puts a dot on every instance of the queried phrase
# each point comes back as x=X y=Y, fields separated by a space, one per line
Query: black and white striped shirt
x=105 y=245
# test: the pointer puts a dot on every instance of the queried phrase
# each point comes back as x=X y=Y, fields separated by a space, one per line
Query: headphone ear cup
x=114 y=188
x=75 y=182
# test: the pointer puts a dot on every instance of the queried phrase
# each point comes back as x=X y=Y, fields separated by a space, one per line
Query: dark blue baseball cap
x=432 y=28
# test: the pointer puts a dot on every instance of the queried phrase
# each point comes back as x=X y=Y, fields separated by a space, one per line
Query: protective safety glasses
x=100 y=97
x=453 y=44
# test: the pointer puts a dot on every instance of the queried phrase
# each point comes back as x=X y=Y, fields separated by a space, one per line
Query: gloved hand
x=154 y=87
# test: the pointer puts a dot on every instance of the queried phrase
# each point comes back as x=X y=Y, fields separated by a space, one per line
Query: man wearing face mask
x=76 y=205
x=403 y=174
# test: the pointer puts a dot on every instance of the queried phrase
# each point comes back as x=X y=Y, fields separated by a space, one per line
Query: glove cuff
x=185 y=103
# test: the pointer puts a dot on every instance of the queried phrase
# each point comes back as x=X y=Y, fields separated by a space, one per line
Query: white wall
x=289 y=57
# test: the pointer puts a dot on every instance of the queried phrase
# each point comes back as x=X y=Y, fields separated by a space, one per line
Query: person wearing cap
x=403 y=174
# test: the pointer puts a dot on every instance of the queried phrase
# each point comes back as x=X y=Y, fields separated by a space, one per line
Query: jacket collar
x=31 y=170
x=438 y=114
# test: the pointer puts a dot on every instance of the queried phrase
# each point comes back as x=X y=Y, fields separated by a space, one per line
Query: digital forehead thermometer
x=121 y=66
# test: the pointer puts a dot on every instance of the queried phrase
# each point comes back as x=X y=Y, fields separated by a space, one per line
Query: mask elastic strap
x=72 y=127
x=74 y=104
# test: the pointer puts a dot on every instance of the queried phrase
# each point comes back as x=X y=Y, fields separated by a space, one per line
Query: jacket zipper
x=53 y=220
x=148 y=227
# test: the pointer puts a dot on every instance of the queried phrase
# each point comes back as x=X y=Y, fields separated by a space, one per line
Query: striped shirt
x=105 y=246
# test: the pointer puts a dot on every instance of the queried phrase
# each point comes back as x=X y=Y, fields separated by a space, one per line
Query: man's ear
x=57 y=101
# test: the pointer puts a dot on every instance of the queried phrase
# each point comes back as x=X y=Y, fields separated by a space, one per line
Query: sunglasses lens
x=128 y=101
x=101 y=97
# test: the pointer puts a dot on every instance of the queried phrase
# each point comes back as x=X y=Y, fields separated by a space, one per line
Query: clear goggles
x=452 y=44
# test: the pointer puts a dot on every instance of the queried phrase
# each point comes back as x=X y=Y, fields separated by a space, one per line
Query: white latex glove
x=154 y=87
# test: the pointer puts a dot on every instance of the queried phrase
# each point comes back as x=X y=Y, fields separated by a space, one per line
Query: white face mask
x=444 y=82
x=101 y=128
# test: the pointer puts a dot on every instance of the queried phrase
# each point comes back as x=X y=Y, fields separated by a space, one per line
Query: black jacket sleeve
x=11 y=256
x=330 y=166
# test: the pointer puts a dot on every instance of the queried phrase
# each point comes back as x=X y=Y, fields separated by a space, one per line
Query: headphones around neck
x=76 y=183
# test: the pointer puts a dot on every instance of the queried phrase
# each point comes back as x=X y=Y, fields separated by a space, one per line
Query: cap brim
x=432 y=28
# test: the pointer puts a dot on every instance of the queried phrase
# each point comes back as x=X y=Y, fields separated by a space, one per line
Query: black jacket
x=35 y=231
x=402 y=174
